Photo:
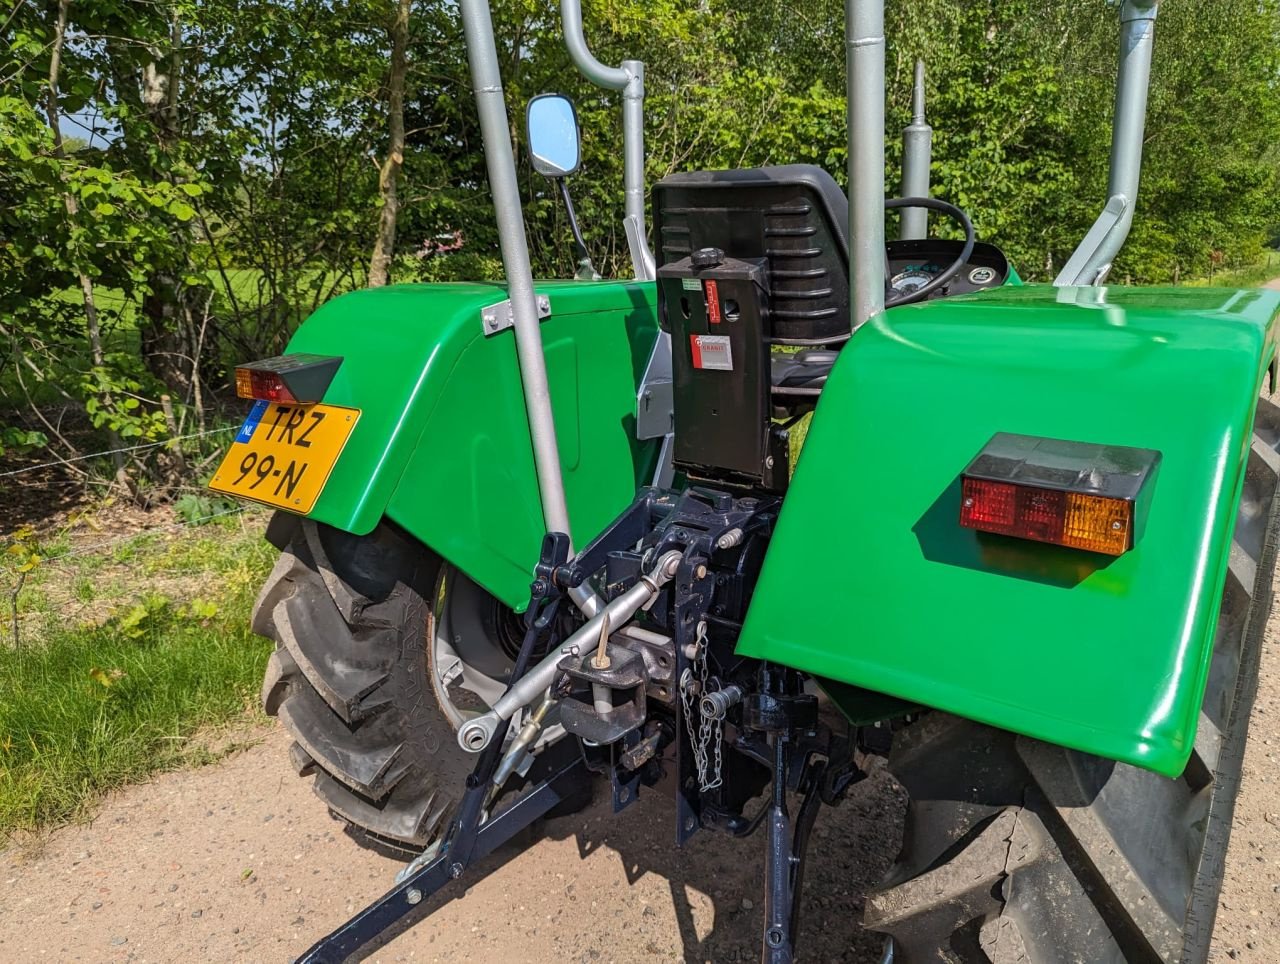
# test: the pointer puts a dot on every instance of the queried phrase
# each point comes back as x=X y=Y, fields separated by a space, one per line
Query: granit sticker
x=712 y=352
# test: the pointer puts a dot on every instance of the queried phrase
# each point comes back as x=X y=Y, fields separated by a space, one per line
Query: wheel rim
x=468 y=644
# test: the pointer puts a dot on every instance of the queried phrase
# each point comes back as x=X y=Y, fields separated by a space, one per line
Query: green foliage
x=224 y=188
x=20 y=441
x=194 y=508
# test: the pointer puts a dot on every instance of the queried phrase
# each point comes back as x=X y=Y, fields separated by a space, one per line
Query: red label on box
x=713 y=302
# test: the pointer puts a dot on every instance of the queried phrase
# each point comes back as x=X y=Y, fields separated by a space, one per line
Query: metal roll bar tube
x=475 y=734
x=629 y=78
x=486 y=81
x=1090 y=263
x=864 y=55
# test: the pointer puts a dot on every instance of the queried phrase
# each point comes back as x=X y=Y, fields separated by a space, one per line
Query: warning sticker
x=713 y=302
x=690 y=284
x=712 y=351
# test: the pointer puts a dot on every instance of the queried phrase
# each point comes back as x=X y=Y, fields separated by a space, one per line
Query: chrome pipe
x=629 y=78
x=1091 y=261
x=474 y=735
x=864 y=56
x=486 y=82
x=917 y=155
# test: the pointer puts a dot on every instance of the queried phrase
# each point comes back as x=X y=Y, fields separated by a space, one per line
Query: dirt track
x=240 y=862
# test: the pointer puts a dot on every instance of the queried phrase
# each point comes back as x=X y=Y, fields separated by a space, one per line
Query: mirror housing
x=551 y=127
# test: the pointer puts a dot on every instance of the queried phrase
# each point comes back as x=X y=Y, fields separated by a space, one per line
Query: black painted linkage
x=558 y=771
x=406 y=903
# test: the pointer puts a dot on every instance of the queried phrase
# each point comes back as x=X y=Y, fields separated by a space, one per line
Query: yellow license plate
x=283 y=454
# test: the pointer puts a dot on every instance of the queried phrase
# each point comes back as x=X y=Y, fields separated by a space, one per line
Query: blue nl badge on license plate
x=255 y=416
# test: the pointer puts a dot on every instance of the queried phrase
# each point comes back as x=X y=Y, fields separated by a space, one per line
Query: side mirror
x=552 y=128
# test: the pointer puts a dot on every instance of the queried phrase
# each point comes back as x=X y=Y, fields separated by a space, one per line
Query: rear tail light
x=1067 y=493
x=295 y=379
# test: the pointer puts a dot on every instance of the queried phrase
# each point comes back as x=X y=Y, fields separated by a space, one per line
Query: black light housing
x=1077 y=494
x=301 y=378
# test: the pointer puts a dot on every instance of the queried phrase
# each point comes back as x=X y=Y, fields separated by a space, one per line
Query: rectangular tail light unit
x=296 y=379
x=1075 y=494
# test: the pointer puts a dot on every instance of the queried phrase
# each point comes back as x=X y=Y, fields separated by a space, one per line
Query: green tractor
x=538 y=537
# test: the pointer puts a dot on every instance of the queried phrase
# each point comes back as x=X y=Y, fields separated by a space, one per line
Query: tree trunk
x=165 y=346
x=92 y=327
x=389 y=173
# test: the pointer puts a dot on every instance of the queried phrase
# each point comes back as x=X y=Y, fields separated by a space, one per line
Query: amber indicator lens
x=1076 y=494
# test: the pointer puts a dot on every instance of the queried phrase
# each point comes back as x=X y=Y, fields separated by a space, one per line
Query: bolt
x=413 y=895
x=768 y=461
x=968 y=503
x=730 y=539
x=701 y=572
x=455 y=870
x=1117 y=525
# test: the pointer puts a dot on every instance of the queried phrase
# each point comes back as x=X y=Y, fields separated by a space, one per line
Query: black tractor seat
x=794 y=218
x=801 y=369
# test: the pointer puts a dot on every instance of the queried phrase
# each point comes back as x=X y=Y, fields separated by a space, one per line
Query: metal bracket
x=655 y=398
x=496 y=318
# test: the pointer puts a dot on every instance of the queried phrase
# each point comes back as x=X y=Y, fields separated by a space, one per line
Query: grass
x=129 y=657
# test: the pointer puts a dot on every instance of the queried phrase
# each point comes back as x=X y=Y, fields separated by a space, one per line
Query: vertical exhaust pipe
x=864 y=61
x=486 y=81
x=1090 y=263
x=917 y=154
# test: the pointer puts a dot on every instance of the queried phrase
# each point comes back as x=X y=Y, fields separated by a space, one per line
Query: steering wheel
x=893 y=298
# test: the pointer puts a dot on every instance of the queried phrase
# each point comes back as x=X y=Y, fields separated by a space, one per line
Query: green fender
x=442 y=446
x=870 y=581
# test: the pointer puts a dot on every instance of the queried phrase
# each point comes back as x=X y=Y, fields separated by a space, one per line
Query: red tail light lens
x=1047 y=515
x=297 y=379
x=1073 y=494
x=264 y=386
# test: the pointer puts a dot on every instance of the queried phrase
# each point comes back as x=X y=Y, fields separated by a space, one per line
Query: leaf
x=101 y=677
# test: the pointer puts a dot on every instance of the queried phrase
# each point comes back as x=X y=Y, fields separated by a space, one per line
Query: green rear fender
x=442 y=447
x=870 y=581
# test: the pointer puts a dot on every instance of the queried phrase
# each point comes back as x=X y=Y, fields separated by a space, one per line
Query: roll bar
x=864 y=58
x=629 y=78
x=1090 y=263
x=486 y=82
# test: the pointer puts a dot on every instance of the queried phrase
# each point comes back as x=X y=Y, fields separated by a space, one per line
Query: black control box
x=716 y=309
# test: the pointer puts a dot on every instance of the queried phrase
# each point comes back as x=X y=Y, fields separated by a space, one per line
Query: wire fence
x=26 y=551
x=123 y=450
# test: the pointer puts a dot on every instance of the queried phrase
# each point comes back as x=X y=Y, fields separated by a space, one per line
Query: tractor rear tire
x=1017 y=850
x=350 y=617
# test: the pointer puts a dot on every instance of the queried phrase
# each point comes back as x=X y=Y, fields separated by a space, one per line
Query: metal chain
x=707 y=731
